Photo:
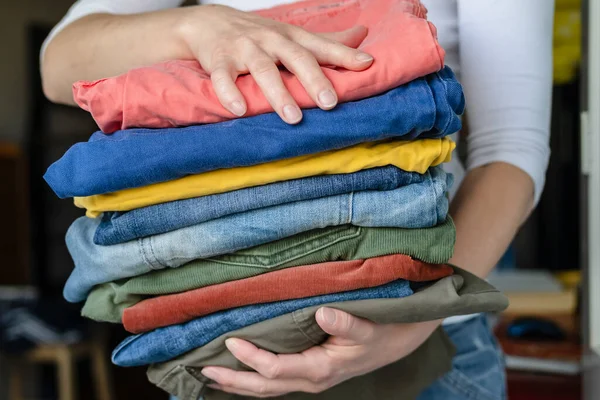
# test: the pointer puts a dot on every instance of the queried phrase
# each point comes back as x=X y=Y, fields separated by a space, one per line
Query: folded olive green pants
x=434 y=245
x=459 y=294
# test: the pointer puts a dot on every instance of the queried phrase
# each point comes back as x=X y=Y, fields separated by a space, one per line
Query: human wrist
x=188 y=28
x=408 y=337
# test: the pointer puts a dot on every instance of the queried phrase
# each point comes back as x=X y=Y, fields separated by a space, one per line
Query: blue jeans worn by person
x=425 y=107
x=163 y=344
x=120 y=227
x=419 y=205
x=478 y=367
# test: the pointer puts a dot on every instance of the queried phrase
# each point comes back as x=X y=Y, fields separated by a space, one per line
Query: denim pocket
x=478 y=367
x=283 y=251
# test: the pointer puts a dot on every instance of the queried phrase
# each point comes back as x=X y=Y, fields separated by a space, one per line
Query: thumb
x=345 y=327
x=352 y=37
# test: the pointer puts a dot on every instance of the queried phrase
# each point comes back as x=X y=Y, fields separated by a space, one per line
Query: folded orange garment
x=285 y=284
x=180 y=93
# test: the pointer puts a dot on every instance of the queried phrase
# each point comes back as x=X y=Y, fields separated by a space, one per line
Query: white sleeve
x=506 y=70
x=81 y=8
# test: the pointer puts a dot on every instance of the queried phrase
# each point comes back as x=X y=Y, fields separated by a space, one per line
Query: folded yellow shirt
x=415 y=156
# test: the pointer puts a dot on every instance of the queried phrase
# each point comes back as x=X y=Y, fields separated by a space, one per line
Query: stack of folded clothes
x=202 y=227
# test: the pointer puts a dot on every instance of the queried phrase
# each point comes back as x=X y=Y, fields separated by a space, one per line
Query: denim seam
x=459 y=383
x=350 y=207
x=429 y=95
x=150 y=257
x=357 y=233
x=432 y=193
x=142 y=252
x=174 y=257
x=451 y=112
x=301 y=328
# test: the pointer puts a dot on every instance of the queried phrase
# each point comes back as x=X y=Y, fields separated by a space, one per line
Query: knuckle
x=325 y=46
x=272 y=35
x=263 y=390
x=369 y=332
x=346 y=323
x=272 y=371
x=264 y=67
x=321 y=374
x=242 y=42
x=219 y=77
x=299 y=54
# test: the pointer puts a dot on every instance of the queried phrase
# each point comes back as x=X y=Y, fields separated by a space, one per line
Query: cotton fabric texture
x=165 y=343
x=428 y=107
x=415 y=206
x=120 y=227
x=180 y=93
x=107 y=301
x=460 y=294
x=285 y=284
x=415 y=156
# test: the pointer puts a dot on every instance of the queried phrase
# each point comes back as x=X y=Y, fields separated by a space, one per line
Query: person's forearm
x=490 y=206
x=101 y=45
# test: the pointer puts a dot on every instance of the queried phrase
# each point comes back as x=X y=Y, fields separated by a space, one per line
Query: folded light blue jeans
x=163 y=344
x=420 y=205
x=120 y=227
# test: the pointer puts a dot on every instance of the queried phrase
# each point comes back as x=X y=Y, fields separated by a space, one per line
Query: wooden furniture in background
x=65 y=357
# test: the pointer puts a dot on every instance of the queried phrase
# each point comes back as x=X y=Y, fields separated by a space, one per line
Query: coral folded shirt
x=415 y=156
x=180 y=93
x=286 y=284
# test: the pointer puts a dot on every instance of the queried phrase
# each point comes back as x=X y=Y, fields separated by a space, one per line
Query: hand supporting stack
x=201 y=227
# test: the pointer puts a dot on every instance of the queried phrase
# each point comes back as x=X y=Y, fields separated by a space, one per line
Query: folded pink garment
x=180 y=93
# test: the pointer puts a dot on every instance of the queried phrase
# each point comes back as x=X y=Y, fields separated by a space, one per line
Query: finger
x=352 y=37
x=267 y=76
x=229 y=389
x=346 y=328
x=223 y=77
x=311 y=365
x=328 y=51
x=302 y=63
x=253 y=382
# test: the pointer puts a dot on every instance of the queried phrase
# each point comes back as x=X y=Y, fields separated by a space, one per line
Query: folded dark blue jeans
x=120 y=227
x=163 y=344
x=427 y=107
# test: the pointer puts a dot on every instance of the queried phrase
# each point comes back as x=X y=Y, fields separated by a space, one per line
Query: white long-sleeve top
x=501 y=50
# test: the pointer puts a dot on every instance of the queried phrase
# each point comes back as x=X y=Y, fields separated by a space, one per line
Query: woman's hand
x=356 y=347
x=228 y=42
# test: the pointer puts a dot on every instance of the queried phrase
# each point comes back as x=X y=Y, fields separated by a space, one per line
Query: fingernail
x=328 y=315
x=292 y=113
x=238 y=108
x=211 y=373
x=232 y=344
x=363 y=57
x=327 y=98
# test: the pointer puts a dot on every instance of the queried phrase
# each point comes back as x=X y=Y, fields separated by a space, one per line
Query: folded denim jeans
x=120 y=227
x=416 y=156
x=165 y=343
x=459 y=294
x=424 y=108
x=179 y=92
x=414 y=206
x=435 y=245
x=285 y=284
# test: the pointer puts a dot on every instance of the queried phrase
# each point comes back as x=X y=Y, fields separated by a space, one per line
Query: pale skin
x=492 y=201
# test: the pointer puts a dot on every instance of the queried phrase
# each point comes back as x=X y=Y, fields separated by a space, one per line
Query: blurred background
x=49 y=353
